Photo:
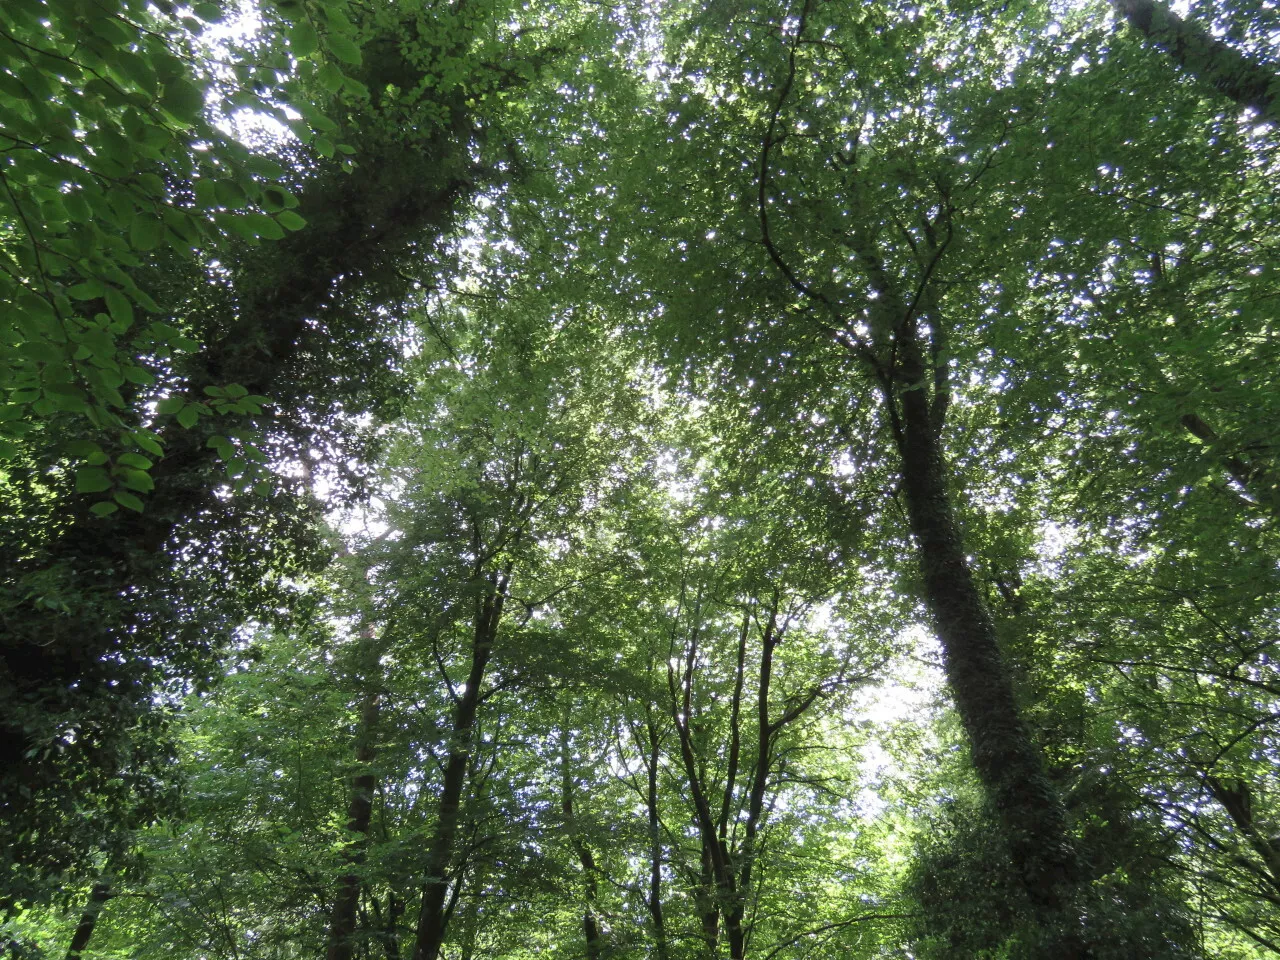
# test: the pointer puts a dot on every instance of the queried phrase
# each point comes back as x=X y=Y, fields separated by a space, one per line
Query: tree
x=1210 y=60
x=88 y=581
x=499 y=502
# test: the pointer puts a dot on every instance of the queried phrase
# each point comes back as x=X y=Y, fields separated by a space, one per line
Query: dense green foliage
x=771 y=478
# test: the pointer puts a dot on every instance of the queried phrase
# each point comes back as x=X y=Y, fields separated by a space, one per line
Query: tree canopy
x=741 y=479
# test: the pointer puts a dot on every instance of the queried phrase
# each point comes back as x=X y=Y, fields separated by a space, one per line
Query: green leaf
x=138 y=480
x=103 y=508
x=148 y=442
x=206 y=192
x=274 y=199
x=146 y=232
x=330 y=78
x=355 y=88
x=139 y=375
x=110 y=30
x=183 y=99
x=303 y=40
x=37 y=308
x=188 y=416
x=120 y=308
x=126 y=499
x=290 y=220
x=208 y=12
x=230 y=194
x=226 y=450
x=135 y=460
x=92 y=480
x=264 y=167
x=76 y=207
x=41 y=351
x=170 y=405
x=89 y=290
x=264 y=226
x=86 y=450
x=344 y=49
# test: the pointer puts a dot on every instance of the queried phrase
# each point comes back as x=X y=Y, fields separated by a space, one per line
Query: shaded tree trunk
x=1236 y=797
x=715 y=879
x=437 y=898
x=342 y=923
x=1203 y=56
x=284 y=322
x=1007 y=761
x=586 y=860
x=655 y=838
x=98 y=898
x=728 y=864
x=708 y=907
x=1251 y=476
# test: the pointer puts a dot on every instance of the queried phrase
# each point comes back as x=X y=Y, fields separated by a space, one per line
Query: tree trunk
x=707 y=905
x=590 y=928
x=1237 y=799
x=655 y=840
x=282 y=310
x=98 y=898
x=716 y=881
x=342 y=923
x=433 y=917
x=1258 y=483
x=1203 y=56
x=1007 y=761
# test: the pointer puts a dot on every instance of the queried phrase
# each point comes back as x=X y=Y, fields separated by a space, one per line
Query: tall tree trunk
x=433 y=917
x=707 y=905
x=1007 y=761
x=716 y=881
x=655 y=839
x=1203 y=56
x=98 y=898
x=727 y=869
x=1251 y=476
x=735 y=920
x=590 y=928
x=1236 y=797
x=342 y=923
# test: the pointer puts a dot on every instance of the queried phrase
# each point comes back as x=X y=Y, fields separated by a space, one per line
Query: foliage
x=748 y=478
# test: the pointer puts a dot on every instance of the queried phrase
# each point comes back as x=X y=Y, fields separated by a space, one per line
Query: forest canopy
x=770 y=479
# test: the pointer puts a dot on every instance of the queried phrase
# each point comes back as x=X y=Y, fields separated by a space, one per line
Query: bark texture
x=656 y=915
x=440 y=886
x=98 y=898
x=586 y=859
x=1251 y=476
x=342 y=923
x=1007 y=760
x=1203 y=56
